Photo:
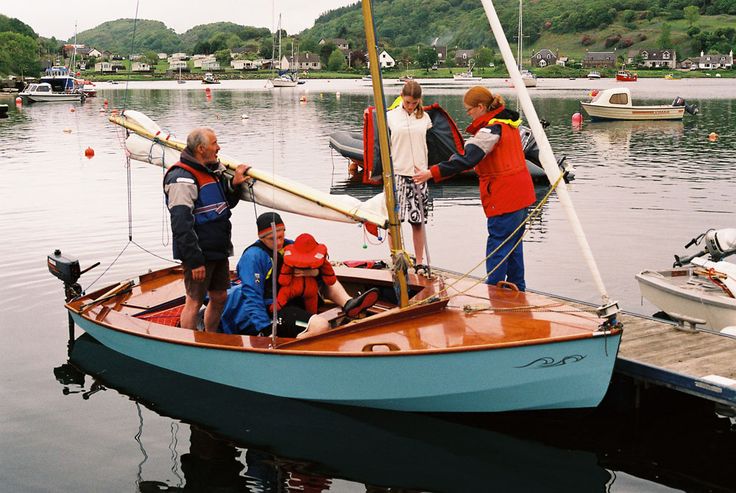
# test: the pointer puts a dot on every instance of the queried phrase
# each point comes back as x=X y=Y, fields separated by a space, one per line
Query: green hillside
x=117 y=37
x=407 y=28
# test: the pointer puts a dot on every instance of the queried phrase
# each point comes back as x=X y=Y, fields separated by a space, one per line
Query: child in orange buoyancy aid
x=305 y=261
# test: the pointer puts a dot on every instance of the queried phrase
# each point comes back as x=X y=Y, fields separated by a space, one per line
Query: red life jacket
x=504 y=180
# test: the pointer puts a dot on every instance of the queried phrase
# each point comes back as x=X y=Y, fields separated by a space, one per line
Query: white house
x=308 y=61
x=385 y=60
x=210 y=64
x=140 y=67
x=103 y=67
x=177 y=64
x=246 y=64
x=709 y=62
x=162 y=56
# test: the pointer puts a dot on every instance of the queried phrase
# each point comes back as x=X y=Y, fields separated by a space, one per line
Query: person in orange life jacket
x=305 y=261
x=409 y=124
x=199 y=197
x=247 y=307
x=506 y=188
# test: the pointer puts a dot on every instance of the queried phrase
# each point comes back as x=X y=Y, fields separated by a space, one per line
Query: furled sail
x=148 y=143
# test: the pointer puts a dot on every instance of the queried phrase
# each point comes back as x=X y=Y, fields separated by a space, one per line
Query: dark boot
x=354 y=306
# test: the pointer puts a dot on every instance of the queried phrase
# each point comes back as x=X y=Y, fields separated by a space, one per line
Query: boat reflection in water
x=291 y=442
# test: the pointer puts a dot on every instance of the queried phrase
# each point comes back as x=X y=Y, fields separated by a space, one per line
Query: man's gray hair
x=197 y=137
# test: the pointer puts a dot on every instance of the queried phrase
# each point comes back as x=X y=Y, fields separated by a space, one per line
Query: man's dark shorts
x=216 y=278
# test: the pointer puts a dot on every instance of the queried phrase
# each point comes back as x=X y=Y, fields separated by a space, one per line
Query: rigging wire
x=128 y=173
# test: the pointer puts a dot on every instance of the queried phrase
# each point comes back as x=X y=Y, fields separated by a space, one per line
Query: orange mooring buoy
x=89 y=153
x=19 y=101
x=577 y=119
x=713 y=136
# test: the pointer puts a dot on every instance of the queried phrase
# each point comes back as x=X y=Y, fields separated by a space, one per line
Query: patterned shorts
x=413 y=200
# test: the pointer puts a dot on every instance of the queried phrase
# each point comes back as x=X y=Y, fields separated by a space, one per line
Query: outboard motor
x=690 y=108
x=531 y=152
x=719 y=243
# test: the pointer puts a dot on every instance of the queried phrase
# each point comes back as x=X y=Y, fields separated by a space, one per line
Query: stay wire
x=536 y=211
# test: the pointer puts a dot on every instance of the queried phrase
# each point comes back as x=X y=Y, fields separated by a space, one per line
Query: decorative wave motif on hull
x=549 y=362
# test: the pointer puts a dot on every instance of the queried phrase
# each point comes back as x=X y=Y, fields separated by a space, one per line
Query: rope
x=536 y=211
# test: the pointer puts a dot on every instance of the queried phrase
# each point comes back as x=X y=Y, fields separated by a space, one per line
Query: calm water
x=642 y=191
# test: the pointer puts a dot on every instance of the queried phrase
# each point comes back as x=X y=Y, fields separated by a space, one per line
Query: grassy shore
x=490 y=72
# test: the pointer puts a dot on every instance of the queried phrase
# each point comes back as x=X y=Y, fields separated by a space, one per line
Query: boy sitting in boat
x=247 y=307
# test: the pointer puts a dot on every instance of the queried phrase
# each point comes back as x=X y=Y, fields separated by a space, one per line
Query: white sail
x=147 y=143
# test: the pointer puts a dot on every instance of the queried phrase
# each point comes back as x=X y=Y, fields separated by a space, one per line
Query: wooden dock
x=696 y=362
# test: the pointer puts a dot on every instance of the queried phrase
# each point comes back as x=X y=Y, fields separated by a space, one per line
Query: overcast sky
x=57 y=17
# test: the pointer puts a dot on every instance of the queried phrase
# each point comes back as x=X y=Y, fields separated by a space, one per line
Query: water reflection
x=282 y=441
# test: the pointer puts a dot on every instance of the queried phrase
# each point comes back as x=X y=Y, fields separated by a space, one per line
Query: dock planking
x=658 y=352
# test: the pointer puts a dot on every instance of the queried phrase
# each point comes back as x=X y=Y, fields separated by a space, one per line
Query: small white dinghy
x=699 y=289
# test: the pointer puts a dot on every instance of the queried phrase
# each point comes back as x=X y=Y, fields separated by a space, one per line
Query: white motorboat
x=56 y=85
x=615 y=104
x=209 y=79
x=465 y=77
x=699 y=289
x=594 y=75
x=530 y=80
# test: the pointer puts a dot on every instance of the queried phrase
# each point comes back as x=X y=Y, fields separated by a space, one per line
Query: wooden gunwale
x=114 y=314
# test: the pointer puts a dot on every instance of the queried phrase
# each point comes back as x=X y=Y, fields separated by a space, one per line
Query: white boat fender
x=729 y=331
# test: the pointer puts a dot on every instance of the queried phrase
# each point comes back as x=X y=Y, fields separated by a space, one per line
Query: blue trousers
x=512 y=270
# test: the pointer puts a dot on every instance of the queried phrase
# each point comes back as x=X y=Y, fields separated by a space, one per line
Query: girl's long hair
x=414 y=90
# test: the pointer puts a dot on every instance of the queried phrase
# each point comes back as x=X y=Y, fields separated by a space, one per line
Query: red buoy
x=19 y=101
x=89 y=153
x=105 y=102
x=577 y=119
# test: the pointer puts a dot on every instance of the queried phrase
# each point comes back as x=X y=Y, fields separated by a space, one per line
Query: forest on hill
x=571 y=27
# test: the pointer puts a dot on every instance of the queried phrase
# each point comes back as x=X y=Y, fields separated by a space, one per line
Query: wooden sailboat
x=445 y=344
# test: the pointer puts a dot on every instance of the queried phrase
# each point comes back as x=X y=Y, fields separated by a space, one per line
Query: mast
x=609 y=308
x=279 y=28
x=400 y=275
x=519 y=49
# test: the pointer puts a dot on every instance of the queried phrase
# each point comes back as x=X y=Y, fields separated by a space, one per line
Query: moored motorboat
x=594 y=75
x=466 y=77
x=57 y=84
x=616 y=104
x=530 y=80
x=626 y=76
x=209 y=78
x=699 y=290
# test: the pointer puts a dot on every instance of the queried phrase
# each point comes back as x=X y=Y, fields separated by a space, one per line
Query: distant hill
x=571 y=27
x=116 y=37
x=10 y=24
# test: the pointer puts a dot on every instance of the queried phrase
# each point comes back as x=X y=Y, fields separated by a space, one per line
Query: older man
x=199 y=198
